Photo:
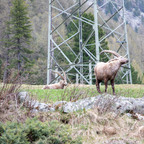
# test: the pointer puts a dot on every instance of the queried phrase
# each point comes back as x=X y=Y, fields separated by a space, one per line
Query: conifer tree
x=20 y=29
x=6 y=51
x=135 y=78
x=86 y=30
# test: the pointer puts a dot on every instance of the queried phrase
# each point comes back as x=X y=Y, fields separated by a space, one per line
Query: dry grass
x=9 y=105
x=98 y=129
x=95 y=128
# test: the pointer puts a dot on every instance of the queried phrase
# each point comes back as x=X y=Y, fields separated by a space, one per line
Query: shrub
x=37 y=132
x=12 y=133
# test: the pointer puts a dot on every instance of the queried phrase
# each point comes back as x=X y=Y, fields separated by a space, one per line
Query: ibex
x=59 y=85
x=107 y=71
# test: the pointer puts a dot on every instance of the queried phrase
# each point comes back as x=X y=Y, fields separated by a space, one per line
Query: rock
x=36 y=106
x=109 y=130
x=141 y=131
x=139 y=106
x=58 y=105
x=43 y=107
x=103 y=103
x=86 y=103
x=34 y=111
x=52 y=109
x=59 y=102
x=135 y=116
x=107 y=102
x=130 y=104
x=23 y=96
x=123 y=106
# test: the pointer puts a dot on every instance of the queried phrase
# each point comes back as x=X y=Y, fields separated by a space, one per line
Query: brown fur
x=59 y=85
x=107 y=71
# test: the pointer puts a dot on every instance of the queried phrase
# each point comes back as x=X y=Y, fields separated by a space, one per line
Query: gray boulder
x=107 y=102
x=23 y=96
x=86 y=103
x=36 y=106
x=104 y=103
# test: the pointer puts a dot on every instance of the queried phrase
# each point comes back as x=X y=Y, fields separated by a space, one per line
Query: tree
x=6 y=52
x=128 y=5
x=136 y=12
x=20 y=33
x=135 y=78
x=86 y=30
x=100 y=2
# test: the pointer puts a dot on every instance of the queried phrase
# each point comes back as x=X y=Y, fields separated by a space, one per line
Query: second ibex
x=59 y=85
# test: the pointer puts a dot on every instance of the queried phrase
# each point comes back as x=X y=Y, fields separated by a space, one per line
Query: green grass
x=46 y=95
x=135 y=91
x=79 y=92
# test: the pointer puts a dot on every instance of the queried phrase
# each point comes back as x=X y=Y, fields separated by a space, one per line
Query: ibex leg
x=105 y=82
x=97 y=86
x=112 y=84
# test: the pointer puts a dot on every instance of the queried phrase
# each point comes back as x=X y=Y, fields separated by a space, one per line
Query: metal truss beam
x=60 y=43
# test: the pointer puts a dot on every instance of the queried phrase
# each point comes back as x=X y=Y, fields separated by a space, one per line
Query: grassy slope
x=90 y=125
x=81 y=91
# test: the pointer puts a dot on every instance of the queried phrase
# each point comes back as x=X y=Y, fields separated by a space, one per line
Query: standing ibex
x=59 y=85
x=107 y=71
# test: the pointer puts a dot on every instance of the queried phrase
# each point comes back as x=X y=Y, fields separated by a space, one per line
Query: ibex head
x=64 y=79
x=120 y=58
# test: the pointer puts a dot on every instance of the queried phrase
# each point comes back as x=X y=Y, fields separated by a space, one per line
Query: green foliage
x=35 y=131
x=136 y=12
x=86 y=30
x=109 y=8
x=12 y=133
x=100 y=2
x=140 y=4
x=135 y=78
x=128 y=5
x=20 y=32
x=142 y=19
x=136 y=29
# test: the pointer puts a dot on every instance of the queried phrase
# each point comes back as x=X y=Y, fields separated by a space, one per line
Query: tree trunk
x=6 y=73
x=5 y=77
x=18 y=55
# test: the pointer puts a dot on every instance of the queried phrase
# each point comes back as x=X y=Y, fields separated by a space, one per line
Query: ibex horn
x=110 y=51
x=59 y=75
x=64 y=75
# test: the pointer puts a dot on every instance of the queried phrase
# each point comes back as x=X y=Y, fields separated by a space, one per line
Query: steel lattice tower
x=59 y=43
